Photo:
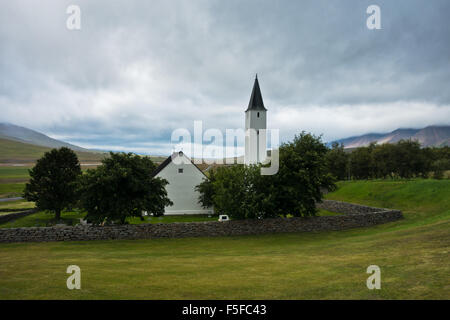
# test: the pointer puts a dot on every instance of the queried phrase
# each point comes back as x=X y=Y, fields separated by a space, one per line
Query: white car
x=224 y=217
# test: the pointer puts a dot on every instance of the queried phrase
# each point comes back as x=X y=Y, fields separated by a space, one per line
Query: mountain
x=431 y=136
x=12 y=132
x=23 y=145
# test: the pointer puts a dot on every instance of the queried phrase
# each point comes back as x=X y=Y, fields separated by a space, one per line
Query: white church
x=183 y=175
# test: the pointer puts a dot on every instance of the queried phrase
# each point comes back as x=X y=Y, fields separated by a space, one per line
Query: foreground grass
x=413 y=255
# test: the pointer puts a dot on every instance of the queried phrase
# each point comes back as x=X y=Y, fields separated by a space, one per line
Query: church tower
x=255 y=127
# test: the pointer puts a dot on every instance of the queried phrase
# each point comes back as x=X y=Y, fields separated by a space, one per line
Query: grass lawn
x=14 y=172
x=413 y=255
x=18 y=152
x=45 y=219
x=9 y=190
x=14 y=206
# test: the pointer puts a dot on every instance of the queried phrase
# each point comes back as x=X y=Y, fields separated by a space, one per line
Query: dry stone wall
x=355 y=216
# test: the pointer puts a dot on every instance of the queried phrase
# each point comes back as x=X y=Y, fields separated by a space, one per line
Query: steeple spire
x=256 y=100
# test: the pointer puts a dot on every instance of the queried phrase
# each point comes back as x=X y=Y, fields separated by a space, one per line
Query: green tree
x=206 y=190
x=384 y=160
x=232 y=191
x=337 y=161
x=123 y=186
x=52 y=182
x=439 y=167
x=243 y=193
x=361 y=163
x=302 y=177
x=411 y=160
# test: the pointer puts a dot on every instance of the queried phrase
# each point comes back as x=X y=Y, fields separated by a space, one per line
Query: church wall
x=180 y=189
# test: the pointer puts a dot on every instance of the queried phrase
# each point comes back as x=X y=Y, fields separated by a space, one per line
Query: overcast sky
x=137 y=70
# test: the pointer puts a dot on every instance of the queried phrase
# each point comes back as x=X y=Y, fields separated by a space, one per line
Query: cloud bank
x=138 y=70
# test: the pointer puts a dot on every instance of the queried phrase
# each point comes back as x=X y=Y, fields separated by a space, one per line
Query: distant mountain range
x=431 y=136
x=23 y=145
x=12 y=132
x=436 y=136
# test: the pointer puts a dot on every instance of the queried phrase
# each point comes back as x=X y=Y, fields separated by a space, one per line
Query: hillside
x=432 y=136
x=19 y=152
x=12 y=132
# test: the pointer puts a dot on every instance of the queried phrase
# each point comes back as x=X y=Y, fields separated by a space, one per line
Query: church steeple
x=255 y=127
x=256 y=100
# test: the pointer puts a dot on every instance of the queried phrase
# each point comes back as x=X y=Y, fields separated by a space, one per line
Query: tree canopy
x=53 y=179
x=123 y=186
x=242 y=192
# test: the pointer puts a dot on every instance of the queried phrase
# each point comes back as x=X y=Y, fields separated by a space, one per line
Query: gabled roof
x=166 y=162
x=256 y=100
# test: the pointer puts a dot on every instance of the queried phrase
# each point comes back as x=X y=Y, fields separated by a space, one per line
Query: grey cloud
x=137 y=70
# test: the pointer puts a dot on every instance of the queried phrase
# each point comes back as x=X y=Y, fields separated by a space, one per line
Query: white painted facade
x=255 y=136
x=182 y=176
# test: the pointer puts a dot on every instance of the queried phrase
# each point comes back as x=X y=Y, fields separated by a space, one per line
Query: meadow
x=413 y=254
x=18 y=152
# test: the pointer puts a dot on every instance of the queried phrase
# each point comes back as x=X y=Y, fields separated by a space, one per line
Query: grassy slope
x=413 y=255
x=18 y=152
x=13 y=206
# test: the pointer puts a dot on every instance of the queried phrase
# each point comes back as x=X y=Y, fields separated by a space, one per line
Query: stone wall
x=346 y=208
x=353 y=218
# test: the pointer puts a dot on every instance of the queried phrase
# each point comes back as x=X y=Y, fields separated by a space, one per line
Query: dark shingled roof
x=256 y=100
x=169 y=160
x=162 y=165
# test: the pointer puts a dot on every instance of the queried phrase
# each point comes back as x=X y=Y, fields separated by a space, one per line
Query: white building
x=255 y=127
x=183 y=175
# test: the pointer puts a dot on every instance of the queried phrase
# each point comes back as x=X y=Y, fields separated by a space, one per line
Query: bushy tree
x=411 y=160
x=52 y=182
x=206 y=190
x=361 y=164
x=439 y=167
x=123 y=186
x=302 y=176
x=337 y=161
x=242 y=192
x=384 y=161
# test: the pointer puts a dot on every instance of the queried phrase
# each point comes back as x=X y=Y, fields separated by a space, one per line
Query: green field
x=413 y=255
x=45 y=219
x=13 y=206
x=18 y=152
x=14 y=152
